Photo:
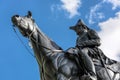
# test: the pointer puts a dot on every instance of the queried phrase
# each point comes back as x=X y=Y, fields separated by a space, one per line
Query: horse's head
x=24 y=23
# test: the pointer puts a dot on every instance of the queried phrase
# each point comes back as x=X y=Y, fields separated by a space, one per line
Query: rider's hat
x=80 y=24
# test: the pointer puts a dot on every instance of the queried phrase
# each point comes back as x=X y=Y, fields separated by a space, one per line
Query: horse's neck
x=41 y=43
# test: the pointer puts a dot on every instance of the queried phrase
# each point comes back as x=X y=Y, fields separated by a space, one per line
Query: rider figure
x=87 y=43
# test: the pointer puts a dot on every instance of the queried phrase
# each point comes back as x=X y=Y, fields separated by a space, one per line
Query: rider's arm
x=94 y=39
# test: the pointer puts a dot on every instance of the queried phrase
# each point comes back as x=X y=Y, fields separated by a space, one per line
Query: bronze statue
x=56 y=64
x=87 y=43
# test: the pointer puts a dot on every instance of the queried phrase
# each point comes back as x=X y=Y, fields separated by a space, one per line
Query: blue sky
x=54 y=18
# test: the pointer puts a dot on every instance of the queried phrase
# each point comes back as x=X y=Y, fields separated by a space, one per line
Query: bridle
x=31 y=38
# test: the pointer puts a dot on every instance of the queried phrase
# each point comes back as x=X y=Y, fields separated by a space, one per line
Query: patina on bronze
x=56 y=64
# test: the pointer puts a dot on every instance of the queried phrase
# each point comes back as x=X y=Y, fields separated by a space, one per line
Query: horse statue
x=55 y=63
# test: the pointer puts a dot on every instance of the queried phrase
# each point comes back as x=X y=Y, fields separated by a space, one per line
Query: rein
x=23 y=42
x=30 y=37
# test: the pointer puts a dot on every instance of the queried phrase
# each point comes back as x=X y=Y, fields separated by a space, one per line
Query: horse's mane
x=55 y=45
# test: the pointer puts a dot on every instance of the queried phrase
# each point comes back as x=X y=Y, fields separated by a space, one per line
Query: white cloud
x=71 y=6
x=115 y=3
x=110 y=36
x=95 y=14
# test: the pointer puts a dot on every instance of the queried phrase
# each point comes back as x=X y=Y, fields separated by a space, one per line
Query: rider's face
x=79 y=30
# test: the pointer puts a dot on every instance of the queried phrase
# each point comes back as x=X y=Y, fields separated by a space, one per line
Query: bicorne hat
x=80 y=24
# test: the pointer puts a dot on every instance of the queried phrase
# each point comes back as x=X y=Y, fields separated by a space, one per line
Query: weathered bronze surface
x=56 y=64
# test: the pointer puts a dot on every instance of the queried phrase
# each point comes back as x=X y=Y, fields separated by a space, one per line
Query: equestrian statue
x=85 y=61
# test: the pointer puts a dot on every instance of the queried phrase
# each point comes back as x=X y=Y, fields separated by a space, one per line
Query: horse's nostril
x=14 y=19
x=16 y=15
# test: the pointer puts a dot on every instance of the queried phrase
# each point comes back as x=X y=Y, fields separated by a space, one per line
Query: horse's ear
x=29 y=14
